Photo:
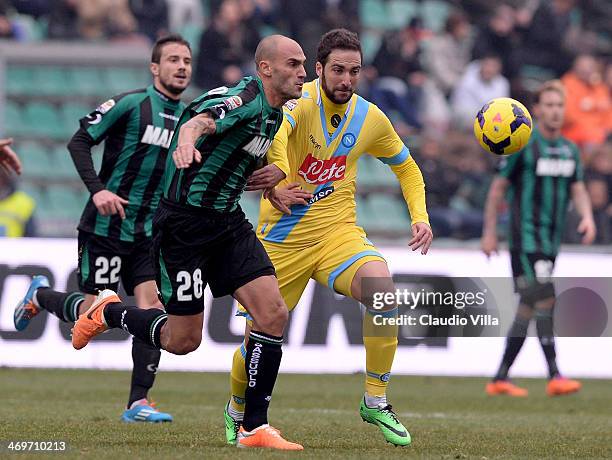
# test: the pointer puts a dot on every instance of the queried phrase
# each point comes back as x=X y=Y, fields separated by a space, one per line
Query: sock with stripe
x=143 y=323
x=263 y=358
x=380 y=352
x=146 y=360
x=64 y=305
x=238 y=383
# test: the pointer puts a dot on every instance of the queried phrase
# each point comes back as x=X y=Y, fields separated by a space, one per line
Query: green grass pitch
x=449 y=418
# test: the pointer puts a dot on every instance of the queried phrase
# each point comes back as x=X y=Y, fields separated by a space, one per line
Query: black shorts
x=104 y=261
x=532 y=274
x=196 y=247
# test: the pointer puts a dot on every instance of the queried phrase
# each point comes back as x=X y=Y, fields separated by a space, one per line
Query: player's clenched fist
x=185 y=154
x=108 y=203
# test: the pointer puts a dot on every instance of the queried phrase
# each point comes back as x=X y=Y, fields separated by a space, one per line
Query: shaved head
x=272 y=47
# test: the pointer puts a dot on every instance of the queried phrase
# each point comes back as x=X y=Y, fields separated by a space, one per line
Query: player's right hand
x=488 y=244
x=108 y=203
x=8 y=158
x=283 y=198
x=185 y=154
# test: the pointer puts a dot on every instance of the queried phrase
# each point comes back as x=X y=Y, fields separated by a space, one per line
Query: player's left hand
x=8 y=158
x=422 y=237
x=587 y=229
x=285 y=197
x=267 y=177
x=185 y=154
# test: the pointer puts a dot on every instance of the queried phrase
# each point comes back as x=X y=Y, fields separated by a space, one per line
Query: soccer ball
x=503 y=126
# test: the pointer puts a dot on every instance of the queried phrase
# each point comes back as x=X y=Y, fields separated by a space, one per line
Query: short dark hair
x=342 y=39
x=161 y=42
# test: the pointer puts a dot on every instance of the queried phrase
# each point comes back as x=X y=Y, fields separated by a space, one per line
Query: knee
x=275 y=319
x=183 y=345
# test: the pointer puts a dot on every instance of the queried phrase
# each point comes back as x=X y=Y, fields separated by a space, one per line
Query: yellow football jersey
x=318 y=145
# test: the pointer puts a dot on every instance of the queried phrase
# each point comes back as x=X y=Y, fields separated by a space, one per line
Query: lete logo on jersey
x=317 y=171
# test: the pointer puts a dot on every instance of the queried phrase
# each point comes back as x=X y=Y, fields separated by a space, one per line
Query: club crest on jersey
x=258 y=146
x=154 y=135
x=105 y=107
x=348 y=140
x=232 y=102
x=317 y=171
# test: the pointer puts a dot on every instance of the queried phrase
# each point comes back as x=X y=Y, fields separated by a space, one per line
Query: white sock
x=140 y=402
x=375 y=401
x=235 y=414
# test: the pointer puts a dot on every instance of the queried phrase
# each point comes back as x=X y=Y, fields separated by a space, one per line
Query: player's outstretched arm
x=8 y=158
x=497 y=191
x=189 y=133
x=581 y=200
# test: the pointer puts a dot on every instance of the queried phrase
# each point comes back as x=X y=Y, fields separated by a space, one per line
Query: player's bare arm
x=283 y=198
x=581 y=200
x=264 y=178
x=189 y=134
x=8 y=158
x=488 y=242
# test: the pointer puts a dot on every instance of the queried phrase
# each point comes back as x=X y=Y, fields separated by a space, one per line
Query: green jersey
x=540 y=180
x=137 y=128
x=245 y=127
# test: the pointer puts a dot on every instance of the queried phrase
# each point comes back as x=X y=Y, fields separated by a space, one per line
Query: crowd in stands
x=429 y=80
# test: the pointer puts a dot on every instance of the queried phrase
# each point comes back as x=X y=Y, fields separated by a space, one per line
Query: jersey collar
x=163 y=97
x=322 y=100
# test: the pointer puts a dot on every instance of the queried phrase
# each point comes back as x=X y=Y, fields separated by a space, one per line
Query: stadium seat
x=400 y=12
x=373 y=14
x=66 y=202
x=72 y=113
x=53 y=81
x=19 y=79
x=434 y=13
x=121 y=79
x=36 y=192
x=13 y=120
x=35 y=159
x=63 y=166
x=42 y=119
x=89 y=81
x=370 y=42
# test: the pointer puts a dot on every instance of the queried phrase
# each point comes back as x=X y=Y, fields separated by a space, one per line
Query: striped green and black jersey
x=137 y=128
x=540 y=188
x=246 y=125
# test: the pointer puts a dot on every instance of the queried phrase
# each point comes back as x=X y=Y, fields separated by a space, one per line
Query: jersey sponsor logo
x=555 y=167
x=154 y=135
x=317 y=171
x=105 y=107
x=258 y=146
x=348 y=140
x=291 y=104
x=233 y=102
x=323 y=193
x=314 y=142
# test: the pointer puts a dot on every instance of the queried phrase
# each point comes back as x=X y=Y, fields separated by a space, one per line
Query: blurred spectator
x=6 y=28
x=151 y=16
x=16 y=209
x=497 y=37
x=588 y=104
x=545 y=35
x=184 y=12
x=91 y=19
x=449 y=54
x=226 y=48
x=481 y=82
x=399 y=86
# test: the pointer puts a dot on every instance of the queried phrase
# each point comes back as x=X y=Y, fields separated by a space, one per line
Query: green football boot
x=385 y=419
x=231 y=427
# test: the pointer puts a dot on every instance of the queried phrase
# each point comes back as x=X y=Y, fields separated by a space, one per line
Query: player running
x=318 y=146
x=202 y=236
x=115 y=231
x=540 y=181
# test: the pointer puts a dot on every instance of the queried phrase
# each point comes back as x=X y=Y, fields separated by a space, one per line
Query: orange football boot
x=91 y=323
x=265 y=436
x=505 y=387
x=562 y=386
